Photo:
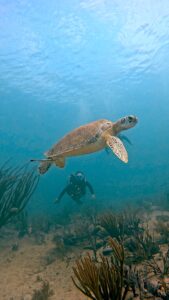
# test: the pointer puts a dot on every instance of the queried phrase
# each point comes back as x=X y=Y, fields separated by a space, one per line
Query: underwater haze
x=66 y=63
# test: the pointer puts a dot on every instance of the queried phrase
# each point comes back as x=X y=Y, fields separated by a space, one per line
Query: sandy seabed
x=23 y=270
x=20 y=272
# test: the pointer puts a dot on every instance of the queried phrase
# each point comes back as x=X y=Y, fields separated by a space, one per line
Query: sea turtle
x=86 y=139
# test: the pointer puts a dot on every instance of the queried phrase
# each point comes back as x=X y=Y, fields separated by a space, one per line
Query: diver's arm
x=90 y=188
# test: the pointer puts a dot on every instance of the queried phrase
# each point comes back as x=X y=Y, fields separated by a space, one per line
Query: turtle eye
x=130 y=119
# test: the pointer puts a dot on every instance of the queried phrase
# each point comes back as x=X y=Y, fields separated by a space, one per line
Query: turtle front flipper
x=117 y=147
x=59 y=161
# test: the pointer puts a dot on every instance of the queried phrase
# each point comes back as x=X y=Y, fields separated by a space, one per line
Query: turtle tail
x=44 y=166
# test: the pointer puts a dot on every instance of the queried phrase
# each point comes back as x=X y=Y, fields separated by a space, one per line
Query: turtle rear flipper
x=44 y=166
x=60 y=162
x=117 y=147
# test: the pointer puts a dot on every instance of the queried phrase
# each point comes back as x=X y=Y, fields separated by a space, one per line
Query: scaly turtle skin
x=87 y=139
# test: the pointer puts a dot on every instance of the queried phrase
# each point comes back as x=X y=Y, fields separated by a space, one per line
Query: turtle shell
x=80 y=137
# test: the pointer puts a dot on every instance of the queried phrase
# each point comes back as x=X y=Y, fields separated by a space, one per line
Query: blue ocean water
x=66 y=63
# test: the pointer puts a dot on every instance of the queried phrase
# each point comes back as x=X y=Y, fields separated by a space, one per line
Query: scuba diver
x=76 y=187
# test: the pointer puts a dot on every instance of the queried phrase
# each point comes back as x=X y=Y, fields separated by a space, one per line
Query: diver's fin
x=59 y=162
x=125 y=138
x=117 y=147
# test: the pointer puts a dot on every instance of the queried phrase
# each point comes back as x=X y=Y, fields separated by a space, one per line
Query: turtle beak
x=132 y=119
x=136 y=120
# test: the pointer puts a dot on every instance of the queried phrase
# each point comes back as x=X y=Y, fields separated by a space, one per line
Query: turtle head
x=126 y=122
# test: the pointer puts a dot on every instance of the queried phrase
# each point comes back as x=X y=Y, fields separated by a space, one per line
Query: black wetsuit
x=76 y=190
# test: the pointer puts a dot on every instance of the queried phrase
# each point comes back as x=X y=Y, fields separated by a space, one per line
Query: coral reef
x=121 y=225
x=113 y=224
x=141 y=246
x=43 y=293
x=17 y=184
x=133 y=262
x=102 y=280
x=162 y=227
x=159 y=265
